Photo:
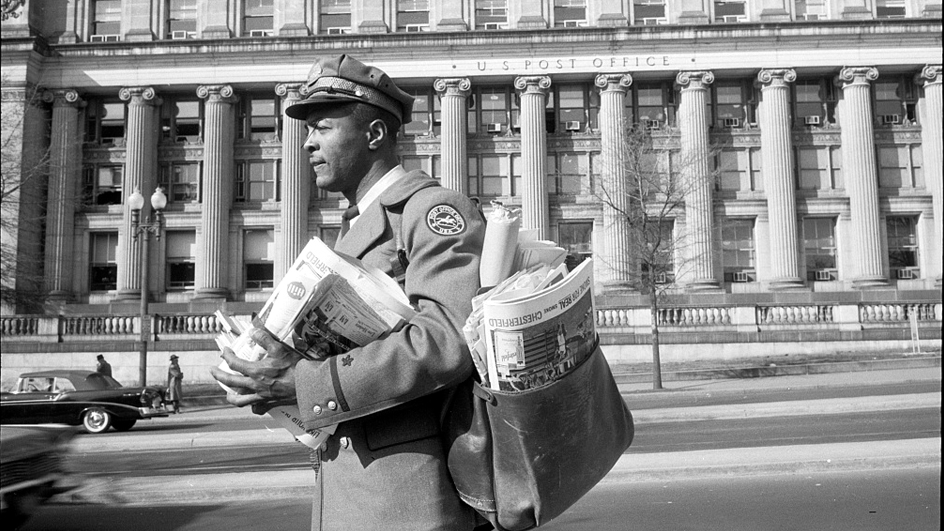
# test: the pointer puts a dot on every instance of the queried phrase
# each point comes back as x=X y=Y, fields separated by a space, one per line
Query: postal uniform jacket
x=384 y=468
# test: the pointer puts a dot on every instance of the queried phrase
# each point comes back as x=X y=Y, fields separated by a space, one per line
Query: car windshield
x=100 y=381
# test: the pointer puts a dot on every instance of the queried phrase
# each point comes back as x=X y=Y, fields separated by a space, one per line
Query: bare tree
x=23 y=171
x=649 y=197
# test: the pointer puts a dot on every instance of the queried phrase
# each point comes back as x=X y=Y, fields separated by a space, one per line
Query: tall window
x=814 y=102
x=255 y=180
x=335 y=17
x=737 y=249
x=649 y=12
x=329 y=235
x=819 y=168
x=569 y=173
x=432 y=165
x=182 y=19
x=494 y=106
x=426 y=113
x=652 y=105
x=819 y=246
x=659 y=261
x=903 y=247
x=412 y=15
x=890 y=9
x=102 y=184
x=578 y=107
x=257 y=18
x=180 y=181
x=811 y=10
x=576 y=237
x=739 y=170
x=258 y=117
x=104 y=122
x=735 y=104
x=896 y=101
x=900 y=167
x=258 y=253
x=730 y=11
x=491 y=14
x=103 y=264
x=181 y=250
x=181 y=120
x=488 y=176
x=106 y=21
x=570 y=13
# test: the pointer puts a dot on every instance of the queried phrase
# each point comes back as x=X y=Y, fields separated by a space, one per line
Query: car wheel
x=96 y=420
x=123 y=425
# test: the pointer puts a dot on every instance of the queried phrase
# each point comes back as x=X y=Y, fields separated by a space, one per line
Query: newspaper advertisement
x=325 y=305
x=533 y=337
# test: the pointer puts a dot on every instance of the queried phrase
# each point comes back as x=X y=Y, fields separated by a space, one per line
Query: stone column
x=616 y=256
x=454 y=93
x=65 y=173
x=141 y=137
x=296 y=185
x=931 y=147
x=696 y=175
x=777 y=170
x=532 y=91
x=219 y=133
x=860 y=173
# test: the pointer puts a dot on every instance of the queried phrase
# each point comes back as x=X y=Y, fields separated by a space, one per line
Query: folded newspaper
x=327 y=304
x=534 y=327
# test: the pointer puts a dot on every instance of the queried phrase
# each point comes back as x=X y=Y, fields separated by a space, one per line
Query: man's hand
x=265 y=383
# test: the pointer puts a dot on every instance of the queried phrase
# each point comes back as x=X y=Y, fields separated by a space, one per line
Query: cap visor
x=300 y=110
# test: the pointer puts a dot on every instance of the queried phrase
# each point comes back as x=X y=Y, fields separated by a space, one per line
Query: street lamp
x=136 y=203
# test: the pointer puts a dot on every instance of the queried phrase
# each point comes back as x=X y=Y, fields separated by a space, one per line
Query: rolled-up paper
x=501 y=243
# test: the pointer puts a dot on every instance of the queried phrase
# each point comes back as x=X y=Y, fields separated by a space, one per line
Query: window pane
x=576 y=237
x=820 y=248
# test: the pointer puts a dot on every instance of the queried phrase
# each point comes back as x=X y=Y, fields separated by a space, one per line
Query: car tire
x=96 y=420
x=123 y=425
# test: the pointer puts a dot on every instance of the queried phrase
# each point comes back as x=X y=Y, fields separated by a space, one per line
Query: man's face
x=338 y=148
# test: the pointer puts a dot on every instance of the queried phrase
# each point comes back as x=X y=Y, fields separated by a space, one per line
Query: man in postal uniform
x=384 y=468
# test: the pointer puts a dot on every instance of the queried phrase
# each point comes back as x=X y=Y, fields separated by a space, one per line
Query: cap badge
x=445 y=220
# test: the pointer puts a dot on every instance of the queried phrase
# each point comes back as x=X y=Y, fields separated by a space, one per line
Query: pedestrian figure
x=174 y=378
x=385 y=466
x=103 y=366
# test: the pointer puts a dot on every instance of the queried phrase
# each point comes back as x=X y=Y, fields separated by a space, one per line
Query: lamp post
x=136 y=203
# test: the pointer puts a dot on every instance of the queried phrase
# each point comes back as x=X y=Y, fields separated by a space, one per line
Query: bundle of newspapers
x=327 y=304
x=538 y=322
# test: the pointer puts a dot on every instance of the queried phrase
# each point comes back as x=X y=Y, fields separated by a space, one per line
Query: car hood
x=20 y=442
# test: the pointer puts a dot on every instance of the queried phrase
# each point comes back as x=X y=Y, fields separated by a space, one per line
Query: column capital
x=613 y=82
x=776 y=77
x=139 y=95
x=695 y=79
x=289 y=91
x=533 y=84
x=63 y=98
x=929 y=75
x=216 y=93
x=453 y=86
x=857 y=75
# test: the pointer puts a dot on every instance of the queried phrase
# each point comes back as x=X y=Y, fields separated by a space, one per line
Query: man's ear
x=377 y=134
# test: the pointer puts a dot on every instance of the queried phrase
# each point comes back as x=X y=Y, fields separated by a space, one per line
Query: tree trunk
x=656 y=361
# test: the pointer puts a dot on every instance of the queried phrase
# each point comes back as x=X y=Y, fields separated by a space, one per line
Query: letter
x=612 y=61
x=665 y=60
x=637 y=60
x=560 y=64
x=597 y=62
x=542 y=64
x=625 y=61
x=527 y=64
x=504 y=65
x=651 y=61
x=481 y=65
x=573 y=63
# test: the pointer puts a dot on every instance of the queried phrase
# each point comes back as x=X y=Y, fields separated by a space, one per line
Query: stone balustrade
x=795 y=315
x=898 y=312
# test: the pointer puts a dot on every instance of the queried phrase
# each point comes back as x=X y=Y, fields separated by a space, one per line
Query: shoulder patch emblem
x=445 y=220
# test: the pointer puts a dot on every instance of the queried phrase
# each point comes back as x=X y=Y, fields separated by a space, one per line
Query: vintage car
x=31 y=469
x=94 y=400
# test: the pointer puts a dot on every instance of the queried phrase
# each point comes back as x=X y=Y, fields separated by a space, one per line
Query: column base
x=788 y=284
x=870 y=282
x=204 y=294
x=702 y=285
x=125 y=295
x=619 y=287
x=58 y=297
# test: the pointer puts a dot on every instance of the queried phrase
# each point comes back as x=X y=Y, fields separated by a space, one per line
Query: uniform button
x=345 y=442
x=317 y=410
x=324 y=446
x=332 y=405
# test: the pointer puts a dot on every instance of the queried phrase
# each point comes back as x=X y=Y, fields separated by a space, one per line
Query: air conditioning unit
x=741 y=276
x=810 y=16
x=493 y=128
x=106 y=38
x=260 y=33
x=661 y=278
x=823 y=275
x=905 y=274
x=415 y=28
x=731 y=122
x=891 y=119
x=734 y=18
x=651 y=124
x=495 y=26
x=574 y=23
x=811 y=120
x=338 y=31
x=654 y=21
x=572 y=126
x=179 y=34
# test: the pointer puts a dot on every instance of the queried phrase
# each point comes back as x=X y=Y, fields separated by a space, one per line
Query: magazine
x=326 y=304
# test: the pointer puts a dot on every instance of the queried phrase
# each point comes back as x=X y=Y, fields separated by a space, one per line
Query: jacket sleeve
x=430 y=352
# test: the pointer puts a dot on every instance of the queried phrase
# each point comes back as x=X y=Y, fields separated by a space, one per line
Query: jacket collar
x=372 y=223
